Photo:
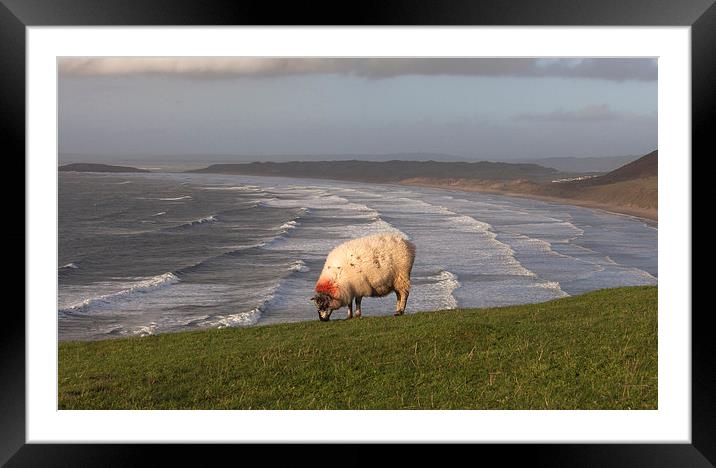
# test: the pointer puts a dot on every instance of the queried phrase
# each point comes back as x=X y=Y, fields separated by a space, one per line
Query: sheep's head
x=325 y=305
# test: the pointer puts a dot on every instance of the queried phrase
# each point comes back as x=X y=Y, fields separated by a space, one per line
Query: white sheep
x=369 y=266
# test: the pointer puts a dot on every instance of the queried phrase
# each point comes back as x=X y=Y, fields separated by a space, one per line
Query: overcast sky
x=483 y=109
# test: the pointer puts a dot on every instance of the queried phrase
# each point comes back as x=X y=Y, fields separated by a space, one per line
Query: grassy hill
x=631 y=189
x=645 y=167
x=635 y=184
x=594 y=351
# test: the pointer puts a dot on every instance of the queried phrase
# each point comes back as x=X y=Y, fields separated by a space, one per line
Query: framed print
x=418 y=224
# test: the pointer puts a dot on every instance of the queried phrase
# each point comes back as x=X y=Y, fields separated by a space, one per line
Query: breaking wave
x=196 y=222
x=140 y=287
x=241 y=188
x=446 y=283
x=298 y=265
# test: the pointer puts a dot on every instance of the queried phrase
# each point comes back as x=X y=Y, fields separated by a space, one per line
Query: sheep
x=368 y=266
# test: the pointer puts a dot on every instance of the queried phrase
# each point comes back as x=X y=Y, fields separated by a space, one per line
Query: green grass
x=594 y=351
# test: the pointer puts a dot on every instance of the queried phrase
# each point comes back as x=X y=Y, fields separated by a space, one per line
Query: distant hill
x=205 y=158
x=440 y=157
x=91 y=167
x=387 y=171
x=592 y=164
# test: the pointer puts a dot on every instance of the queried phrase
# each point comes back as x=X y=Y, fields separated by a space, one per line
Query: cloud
x=598 y=113
x=615 y=69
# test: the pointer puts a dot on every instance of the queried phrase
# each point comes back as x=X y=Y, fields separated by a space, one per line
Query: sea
x=148 y=253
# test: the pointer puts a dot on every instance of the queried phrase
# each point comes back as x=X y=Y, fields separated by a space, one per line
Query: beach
x=524 y=189
x=150 y=253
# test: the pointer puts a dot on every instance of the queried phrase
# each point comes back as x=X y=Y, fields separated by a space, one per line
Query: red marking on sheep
x=327 y=287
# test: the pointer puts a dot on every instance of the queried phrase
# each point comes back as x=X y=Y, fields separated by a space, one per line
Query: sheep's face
x=325 y=305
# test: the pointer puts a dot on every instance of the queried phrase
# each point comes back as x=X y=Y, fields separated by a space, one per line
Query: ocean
x=148 y=253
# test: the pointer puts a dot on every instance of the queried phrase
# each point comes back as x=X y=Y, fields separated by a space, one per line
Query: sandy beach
x=525 y=189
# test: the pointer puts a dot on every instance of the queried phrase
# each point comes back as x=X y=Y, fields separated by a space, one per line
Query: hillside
x=388 y=171
x=594 y=351
x=631 y=189
x=645 y=167
x=92 y=167
x=632 y=185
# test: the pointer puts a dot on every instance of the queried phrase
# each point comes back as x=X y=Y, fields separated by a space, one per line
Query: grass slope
x=597 y=350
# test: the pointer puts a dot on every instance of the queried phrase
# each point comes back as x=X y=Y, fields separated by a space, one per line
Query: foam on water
x=145 y=330
x=289 y=225
x=492 y=255
x=159 y=325
x=551 y=240
x=125 y=291
x=298 y=265
x=435 y=292
x=349 y=220
x=205 y=219
x=556 y=230
x=240 y=188
x=185 y=197
x=242 y=319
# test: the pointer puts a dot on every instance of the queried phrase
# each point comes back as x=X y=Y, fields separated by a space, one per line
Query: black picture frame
x=16 y=15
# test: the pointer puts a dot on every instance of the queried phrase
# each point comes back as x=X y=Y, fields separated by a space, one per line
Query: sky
x=475 y=108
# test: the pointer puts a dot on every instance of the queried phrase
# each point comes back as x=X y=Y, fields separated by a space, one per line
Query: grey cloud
x=615 y=69
x=598 y=113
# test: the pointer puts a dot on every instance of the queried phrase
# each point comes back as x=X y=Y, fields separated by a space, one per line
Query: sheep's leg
x=350 y=310
x=358 y=312
x=402 y=300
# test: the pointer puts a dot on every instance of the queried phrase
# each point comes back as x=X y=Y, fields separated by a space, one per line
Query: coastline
x=647 y=215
